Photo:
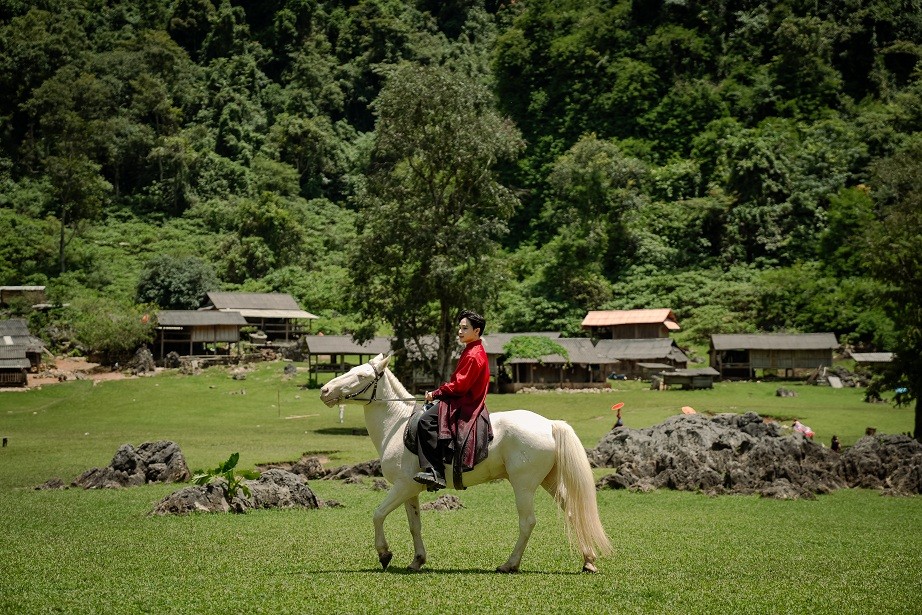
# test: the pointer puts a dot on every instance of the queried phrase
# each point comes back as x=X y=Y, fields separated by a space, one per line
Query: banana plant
x=233 y=481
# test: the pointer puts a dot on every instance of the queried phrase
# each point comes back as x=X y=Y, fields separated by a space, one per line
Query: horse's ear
x=381 y=361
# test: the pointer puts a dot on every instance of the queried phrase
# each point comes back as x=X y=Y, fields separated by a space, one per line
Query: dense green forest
x=752 y=165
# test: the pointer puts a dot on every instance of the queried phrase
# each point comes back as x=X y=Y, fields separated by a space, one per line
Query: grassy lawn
x=78 y=551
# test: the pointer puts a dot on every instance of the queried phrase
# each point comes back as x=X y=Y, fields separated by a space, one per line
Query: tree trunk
x=446 y=346
x=61 y=241
x=917 y=434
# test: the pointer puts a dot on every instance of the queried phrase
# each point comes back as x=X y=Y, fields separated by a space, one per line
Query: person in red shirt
x=461 y=401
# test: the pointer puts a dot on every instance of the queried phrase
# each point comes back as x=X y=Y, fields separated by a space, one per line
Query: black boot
x=431 y=478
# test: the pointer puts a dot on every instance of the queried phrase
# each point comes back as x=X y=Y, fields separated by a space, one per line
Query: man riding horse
x=447 y=428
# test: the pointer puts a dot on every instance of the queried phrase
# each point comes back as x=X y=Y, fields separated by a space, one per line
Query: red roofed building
x=630 y=324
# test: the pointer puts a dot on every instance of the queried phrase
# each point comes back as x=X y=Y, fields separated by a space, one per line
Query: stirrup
x=431 y=479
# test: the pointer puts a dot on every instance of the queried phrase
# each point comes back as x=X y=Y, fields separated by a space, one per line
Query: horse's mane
x=397 y=389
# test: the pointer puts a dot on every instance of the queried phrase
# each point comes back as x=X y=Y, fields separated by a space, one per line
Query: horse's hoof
x=385 y=559
x=416 y=564
x=507 y=569
x=590 y=568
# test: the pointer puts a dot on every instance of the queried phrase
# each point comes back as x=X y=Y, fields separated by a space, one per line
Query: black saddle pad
x=410 y=439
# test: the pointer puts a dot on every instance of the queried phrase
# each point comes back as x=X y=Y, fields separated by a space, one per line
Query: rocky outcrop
x=142 y=362
x=446 y=501
x=152 y=462
x=892 y=463
x=273 y=489
x=733 y=453
x=359 y=470
x=311 y=468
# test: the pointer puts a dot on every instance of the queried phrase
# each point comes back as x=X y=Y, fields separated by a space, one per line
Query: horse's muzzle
x=327 y=398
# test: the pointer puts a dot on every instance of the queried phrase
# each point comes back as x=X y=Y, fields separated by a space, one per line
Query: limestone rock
x=275 y=488
x=446 y=501
x=280 y=489
x=733 y=453
x=142 y=362
x=367 y=468
x=151 y=462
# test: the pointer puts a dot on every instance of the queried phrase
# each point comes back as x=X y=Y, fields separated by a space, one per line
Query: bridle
x=373 y=385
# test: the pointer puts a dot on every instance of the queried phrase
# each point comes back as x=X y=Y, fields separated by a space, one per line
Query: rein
x=373 y=385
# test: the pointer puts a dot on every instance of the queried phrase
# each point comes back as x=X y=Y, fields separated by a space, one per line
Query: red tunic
x=462 y=407
x=466 y=392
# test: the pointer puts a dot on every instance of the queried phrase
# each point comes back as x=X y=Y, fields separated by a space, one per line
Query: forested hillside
x=751 y=165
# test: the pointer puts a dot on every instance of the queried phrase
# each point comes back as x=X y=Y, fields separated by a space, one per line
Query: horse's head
x=358 y=380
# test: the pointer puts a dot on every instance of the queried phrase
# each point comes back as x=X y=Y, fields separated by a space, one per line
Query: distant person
x=798 y=426
x=835 y=443
x=619 y=422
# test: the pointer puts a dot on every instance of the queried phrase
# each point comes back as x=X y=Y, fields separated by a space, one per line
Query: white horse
x=527 y=448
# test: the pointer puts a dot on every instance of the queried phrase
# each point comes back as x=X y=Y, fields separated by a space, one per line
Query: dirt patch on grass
x=67 y=369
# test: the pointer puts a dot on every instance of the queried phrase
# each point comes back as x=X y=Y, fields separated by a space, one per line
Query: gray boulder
x=281 y=489
x=275 y=488
x=151 y=462
x=197 y=498
x=309 y=467
x=359 y=470
x=142 y=362
x=892 y=463
x=729 y=453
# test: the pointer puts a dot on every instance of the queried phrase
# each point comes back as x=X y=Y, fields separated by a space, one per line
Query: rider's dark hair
x=477 y=321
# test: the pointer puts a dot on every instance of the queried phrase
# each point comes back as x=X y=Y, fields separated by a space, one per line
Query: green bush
x=109 y=329
x=176 y=282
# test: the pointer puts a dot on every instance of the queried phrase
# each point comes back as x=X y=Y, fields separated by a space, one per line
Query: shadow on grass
x=435 y=571
x=484 y=571
x=342 y=431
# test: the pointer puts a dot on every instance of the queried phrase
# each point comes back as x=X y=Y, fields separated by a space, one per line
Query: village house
x=196 y=333
x=871 y=360
x=741 y=355
x=640 y=358
x=32 y=295
x=276 y=317
x=20 y=352
x=588 y=363
x=330 y=353
x=14 y=366
x=630 y=324
x=581 y=367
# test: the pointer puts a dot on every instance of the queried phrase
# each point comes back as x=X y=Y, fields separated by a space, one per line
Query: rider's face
x=466 y=333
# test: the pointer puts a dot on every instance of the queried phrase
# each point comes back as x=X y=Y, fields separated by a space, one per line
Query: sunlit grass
x=78 y=551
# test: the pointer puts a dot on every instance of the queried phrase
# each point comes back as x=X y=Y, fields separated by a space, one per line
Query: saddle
x=453 y=451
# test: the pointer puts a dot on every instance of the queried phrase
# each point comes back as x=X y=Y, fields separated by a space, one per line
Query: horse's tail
x=575 y=493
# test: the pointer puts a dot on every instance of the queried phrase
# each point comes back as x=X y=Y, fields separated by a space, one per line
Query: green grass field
x=78 y=551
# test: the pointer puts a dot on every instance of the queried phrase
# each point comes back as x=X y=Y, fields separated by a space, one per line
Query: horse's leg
x=419 y=549
x=550 y=485
x=525 y=504
x=398 y=494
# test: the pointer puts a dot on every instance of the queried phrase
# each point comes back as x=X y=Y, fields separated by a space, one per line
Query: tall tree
x=593 y=185
x=895 y=252
x=432 y=209
x=176 y=282
x=68 y=111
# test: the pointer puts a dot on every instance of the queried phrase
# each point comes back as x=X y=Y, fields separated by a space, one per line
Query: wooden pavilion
x=331 y=353
x=277 y=315
x=739 y=356
x=189 y=333
x=636 y=355
x=630 y=324
x=583 y=367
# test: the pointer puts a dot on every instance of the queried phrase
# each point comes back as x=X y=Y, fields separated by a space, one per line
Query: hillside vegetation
x=751 y=165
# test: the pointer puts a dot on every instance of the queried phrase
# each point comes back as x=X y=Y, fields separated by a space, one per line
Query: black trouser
x=428 y=447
